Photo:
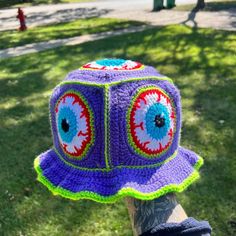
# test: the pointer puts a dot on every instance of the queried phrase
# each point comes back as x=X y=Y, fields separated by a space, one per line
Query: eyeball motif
x=113 y=64
x=151 y=122
x=74 y=124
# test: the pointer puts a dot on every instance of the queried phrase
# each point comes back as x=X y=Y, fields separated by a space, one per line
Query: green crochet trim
x=121 y=193
x=116 y=167
x=106 y=118
x=130 y=138
x=93 y=69
x=116 y=82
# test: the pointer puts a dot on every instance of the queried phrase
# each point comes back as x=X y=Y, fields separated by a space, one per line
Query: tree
x=200 y=5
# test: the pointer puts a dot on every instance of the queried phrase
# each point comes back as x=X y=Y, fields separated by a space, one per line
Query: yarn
x=116 y=132
x=74 y=123
x=151 y=105
x=113 y=64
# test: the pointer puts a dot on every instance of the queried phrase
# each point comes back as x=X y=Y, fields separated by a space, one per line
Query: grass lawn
x=14 y=38
x=202 y=64
x=24 y=3
x=210 y=6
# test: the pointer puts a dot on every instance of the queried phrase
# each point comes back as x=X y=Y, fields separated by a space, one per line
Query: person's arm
x=145 y=215
x=163 y=216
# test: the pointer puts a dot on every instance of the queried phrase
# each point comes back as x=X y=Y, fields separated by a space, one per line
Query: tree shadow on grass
x=200 y=62
x=58 y=16
x=25 y=133
x=27 y=206
x=212 y=136
x=66 y=15
x=207 y=78
x=61 y=31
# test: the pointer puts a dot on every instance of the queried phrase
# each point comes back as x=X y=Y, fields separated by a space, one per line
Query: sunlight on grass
x=202 y=64
x=14 y=38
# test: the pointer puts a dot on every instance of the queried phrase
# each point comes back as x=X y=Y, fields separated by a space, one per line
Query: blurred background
x=191 y=41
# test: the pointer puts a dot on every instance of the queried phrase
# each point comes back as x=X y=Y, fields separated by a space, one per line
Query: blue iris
x=111 y=62
x=157 y=121
x=67 y=124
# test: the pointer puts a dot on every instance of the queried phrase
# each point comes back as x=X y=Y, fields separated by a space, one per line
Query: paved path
x=126 y=9
x=47 y=14
x=37 y=47
x=140 y=11
x=225 y=20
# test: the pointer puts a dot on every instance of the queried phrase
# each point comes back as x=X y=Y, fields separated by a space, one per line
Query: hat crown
x=113 y=113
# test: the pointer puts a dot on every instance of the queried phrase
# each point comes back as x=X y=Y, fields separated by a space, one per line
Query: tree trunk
x=200 y=4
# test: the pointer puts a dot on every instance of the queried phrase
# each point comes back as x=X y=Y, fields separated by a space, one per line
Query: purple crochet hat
x=116 y=131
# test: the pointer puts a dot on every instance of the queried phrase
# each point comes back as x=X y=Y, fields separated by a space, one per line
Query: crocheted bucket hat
x=116 y=131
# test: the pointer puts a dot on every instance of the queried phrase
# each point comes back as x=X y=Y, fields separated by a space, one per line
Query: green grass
x=210 y=6
x=15 y=38
x=24 y=3
x=202 y=64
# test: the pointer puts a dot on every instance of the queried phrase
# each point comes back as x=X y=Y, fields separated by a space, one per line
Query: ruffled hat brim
x=107 y=186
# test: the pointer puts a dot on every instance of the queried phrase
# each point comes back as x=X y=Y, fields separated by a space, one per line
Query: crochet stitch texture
x=116 y=131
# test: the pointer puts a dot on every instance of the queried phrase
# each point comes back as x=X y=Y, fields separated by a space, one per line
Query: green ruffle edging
x=121 y=193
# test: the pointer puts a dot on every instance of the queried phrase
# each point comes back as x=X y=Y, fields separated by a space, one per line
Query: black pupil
x=65 y=125
x=159 y=121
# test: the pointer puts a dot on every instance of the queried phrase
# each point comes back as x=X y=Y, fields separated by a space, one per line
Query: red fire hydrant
x=21 y=18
